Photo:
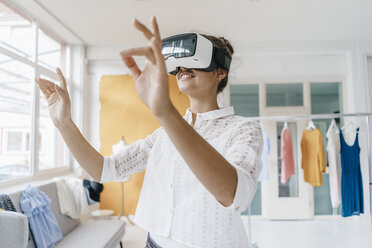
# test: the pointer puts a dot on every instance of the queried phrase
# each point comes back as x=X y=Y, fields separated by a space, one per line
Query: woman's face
x=198 y=83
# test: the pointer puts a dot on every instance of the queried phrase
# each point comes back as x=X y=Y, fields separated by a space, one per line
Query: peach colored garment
x=288 y=168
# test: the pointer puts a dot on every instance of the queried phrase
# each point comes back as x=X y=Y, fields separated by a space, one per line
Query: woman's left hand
x=152 y=82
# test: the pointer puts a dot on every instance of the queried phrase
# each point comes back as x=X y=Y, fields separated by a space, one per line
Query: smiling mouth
x=186 y=76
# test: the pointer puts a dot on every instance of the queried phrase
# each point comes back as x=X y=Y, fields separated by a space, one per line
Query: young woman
x=201 y=168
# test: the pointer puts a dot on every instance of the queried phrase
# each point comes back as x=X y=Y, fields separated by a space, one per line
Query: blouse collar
x=210 y=115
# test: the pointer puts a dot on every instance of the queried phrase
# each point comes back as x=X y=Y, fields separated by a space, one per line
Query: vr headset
x=192 y=50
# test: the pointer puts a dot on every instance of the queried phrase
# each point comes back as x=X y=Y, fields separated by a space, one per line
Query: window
x=244 y=98
x=49 y=54
x=15 y=141
x=15 y=114
x=23 y=127
x=280 y=95
x=14 y=31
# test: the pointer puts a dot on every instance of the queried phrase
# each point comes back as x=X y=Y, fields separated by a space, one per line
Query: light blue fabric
x=35 y=204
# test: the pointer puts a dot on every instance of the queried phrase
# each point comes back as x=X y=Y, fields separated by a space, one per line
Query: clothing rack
x=320 y=116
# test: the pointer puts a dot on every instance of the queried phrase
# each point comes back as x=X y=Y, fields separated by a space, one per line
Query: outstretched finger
x=156 y=47
x=46 y=92
x=132 y=65
x=61 y=79
x=143 y=29
x=46 y=83
x=155 y=27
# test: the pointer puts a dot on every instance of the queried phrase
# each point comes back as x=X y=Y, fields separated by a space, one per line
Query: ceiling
x=109 y=23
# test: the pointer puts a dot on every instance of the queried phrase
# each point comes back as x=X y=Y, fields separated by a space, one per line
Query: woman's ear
x=221 y=73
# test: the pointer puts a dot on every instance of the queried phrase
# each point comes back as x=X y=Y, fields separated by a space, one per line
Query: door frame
x=273 y=206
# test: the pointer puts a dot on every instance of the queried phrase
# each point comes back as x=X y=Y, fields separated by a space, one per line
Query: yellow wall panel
x=123 y=114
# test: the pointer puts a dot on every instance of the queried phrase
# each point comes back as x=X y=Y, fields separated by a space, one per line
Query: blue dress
x=351 y=178
x=35 y=204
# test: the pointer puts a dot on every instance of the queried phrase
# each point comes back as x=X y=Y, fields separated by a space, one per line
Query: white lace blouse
x=173 y=203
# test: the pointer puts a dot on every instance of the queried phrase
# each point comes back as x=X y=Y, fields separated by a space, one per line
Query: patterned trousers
x=151 y=243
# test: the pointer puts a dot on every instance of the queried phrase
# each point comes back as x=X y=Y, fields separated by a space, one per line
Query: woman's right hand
x=58 y=99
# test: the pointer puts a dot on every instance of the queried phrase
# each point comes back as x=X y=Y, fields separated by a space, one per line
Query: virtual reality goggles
x=192 y=50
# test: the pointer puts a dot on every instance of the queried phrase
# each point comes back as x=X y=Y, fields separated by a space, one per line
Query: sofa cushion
x=13 y=229
x=100 y=234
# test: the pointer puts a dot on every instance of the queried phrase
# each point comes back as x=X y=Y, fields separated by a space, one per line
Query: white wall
x=369 y=80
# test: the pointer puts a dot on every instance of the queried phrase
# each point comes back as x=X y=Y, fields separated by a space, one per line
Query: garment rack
x=319 y=116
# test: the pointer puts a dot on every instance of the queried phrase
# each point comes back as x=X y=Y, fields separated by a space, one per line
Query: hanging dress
x=351 y=178
x=313 y=157
x=334 y=160
x=288 y=168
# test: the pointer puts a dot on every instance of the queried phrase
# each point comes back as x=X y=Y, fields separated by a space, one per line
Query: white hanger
x=285 y=125
x=350 y=126
x=310 y=125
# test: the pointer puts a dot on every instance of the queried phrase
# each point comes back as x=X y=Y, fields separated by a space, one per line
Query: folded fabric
x=35 y=204
x=71 y=197
x=92 y=190
x=6 y=203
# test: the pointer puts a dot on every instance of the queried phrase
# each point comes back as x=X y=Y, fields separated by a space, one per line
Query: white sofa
x=76 y=234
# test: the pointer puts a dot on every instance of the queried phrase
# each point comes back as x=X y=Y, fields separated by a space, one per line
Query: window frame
x=34 y=129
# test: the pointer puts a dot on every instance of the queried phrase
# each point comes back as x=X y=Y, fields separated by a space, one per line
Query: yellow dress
x=313 y=156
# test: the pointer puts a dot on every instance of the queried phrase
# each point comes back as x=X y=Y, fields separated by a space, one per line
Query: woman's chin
x=187 y=87
x=183 y=88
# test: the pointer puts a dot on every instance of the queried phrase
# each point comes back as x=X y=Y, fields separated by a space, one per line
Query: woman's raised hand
x=58 y=99
x=152 y=82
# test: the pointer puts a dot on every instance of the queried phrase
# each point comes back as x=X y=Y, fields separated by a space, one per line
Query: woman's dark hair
x=227 y=48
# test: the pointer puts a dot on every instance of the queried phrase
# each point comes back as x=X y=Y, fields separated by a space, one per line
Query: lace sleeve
x=244 y=153
x=130 y=160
